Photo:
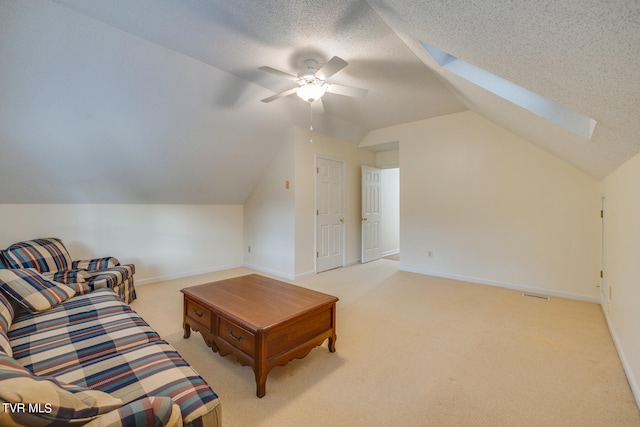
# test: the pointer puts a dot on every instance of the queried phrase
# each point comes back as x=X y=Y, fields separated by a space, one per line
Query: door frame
x=344 y=209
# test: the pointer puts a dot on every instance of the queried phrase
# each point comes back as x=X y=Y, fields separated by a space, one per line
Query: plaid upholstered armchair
x=50 y=258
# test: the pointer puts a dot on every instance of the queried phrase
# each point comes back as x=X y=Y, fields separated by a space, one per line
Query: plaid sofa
x=50 y=257
x=89 y=359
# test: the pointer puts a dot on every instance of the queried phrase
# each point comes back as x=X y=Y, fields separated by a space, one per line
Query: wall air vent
x=564 y=117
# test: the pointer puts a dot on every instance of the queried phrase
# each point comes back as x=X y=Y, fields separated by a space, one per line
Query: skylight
x=577 y=123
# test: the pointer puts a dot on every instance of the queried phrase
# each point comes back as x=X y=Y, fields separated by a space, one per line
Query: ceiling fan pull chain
x=310 y=124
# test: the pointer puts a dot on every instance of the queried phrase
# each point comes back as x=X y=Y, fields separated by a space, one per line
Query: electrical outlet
x=429 y=254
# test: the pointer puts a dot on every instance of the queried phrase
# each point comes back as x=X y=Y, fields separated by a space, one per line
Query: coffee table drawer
x=199 y=313
x=237 y=336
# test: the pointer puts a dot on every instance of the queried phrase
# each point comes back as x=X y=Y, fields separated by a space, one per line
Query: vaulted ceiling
x=158 y=101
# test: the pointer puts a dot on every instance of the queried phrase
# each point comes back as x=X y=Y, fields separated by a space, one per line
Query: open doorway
x=390 y=211
x=380 y=214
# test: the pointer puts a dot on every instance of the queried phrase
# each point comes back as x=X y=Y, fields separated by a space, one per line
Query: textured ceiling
x=240 y=36
x=157 y=101
x=584 y=55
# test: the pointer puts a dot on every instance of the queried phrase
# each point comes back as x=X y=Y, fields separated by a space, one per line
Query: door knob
x=341 y=219
x=364 y=219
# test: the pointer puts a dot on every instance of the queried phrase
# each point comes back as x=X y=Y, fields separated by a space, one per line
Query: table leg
x=187 y=330
x=332 y=340
x=261 y=386
x=332 y=344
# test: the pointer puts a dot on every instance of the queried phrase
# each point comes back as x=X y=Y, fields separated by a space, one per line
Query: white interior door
x=371 y=249
x=329 y=214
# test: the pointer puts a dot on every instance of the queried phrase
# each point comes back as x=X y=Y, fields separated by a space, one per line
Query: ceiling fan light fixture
x=312 y=91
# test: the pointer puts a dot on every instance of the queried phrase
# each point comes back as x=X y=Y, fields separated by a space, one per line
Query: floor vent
x=542 y=297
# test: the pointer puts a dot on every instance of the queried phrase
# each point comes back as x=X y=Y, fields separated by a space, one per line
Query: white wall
x=305 y=167
x=494 y=208
x=269 y=217
x=390 y=211
x=622 y=265
x=387 y=159
x=98 y=115
x=279 y=223
x=163 y=241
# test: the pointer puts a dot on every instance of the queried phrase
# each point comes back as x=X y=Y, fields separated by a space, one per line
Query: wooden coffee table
x=263 y=322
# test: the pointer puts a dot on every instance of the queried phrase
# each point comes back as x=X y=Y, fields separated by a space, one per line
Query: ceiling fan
x=312 y=82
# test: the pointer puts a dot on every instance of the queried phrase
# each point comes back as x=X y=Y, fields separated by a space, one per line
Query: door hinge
x=317 y=212
x=601 y=273
x=317 y=170
x=317 y=254
x=601 y=214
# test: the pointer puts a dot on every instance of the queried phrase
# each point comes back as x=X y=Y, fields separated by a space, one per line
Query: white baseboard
x=271 y=271
x=391 y=252
x=517 y=287
x=303 y=275
x=279 y=273
x=633 y=383
x=141 y=282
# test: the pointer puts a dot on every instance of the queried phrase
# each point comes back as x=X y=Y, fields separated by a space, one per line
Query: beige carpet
x=414 y=350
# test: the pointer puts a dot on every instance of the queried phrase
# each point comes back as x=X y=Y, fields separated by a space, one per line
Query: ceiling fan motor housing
x=311 y=67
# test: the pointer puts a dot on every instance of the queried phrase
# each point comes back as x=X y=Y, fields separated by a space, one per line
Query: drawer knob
x=196 y=312
x=235 y=338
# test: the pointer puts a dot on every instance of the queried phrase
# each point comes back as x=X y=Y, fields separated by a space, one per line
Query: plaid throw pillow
x=6 y=317
x=67 y=276
x=44 y=255
x=43 y=401
x=32 y=290
x=3 y=261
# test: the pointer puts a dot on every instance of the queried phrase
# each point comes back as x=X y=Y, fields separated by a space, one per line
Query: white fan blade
x=280 y=95
x=347 y=91
x=334 y=65
x=317 y=106
x=278 y=73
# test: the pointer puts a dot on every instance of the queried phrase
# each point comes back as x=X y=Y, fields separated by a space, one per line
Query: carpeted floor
x=394 y=257
x=415 y=350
